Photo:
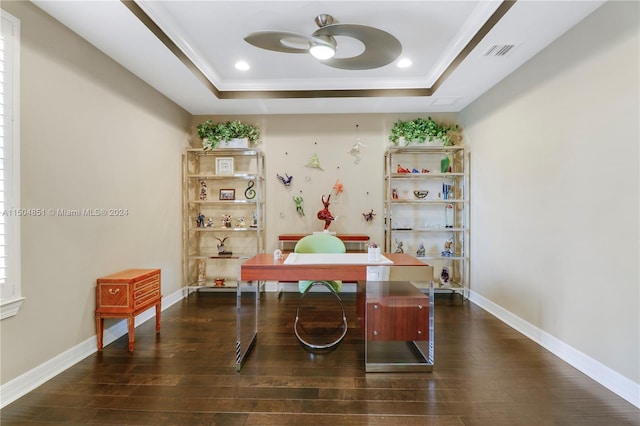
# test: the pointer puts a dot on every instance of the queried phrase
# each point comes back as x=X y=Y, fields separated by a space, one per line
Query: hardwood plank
x=485 y=373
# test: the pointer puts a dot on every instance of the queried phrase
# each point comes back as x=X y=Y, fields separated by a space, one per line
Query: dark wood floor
x=485 y=374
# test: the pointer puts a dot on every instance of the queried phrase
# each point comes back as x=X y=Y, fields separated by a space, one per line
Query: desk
x=362 y=241
x=264 y=267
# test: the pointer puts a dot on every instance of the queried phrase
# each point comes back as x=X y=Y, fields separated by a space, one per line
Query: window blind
x=10 y=286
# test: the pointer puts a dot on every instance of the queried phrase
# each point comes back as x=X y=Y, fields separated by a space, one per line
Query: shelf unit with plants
x=223 y=215
x=426 y=210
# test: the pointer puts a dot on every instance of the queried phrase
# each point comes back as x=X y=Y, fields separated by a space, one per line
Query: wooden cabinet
x=397 y=323
x=353 y=242
x=426 y=210
x=126 y=294
x=223 y=215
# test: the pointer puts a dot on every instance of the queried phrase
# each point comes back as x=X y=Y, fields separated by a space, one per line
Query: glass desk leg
x=247 y=305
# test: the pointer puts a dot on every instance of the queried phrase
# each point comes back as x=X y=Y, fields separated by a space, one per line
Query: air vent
x=499 y=49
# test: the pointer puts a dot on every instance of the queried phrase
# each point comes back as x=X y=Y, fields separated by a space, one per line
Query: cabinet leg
x=131 y=329
x=158 y=310
x=99 y=329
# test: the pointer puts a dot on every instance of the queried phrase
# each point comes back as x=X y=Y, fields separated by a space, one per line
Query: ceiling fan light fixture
x=242 y=66
x=404 y=63
x=380 y=47
x=323 y=47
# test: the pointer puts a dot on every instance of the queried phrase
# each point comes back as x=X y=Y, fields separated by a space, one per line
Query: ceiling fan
x=380 y=47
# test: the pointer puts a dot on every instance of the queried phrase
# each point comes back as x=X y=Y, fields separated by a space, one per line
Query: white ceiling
x=209 y=36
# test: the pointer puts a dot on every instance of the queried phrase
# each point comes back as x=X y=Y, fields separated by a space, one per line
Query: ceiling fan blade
x=280 y=41
x=380 y=47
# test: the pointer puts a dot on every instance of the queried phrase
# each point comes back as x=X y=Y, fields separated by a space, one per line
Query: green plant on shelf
x=420 y=130
x=213 y=133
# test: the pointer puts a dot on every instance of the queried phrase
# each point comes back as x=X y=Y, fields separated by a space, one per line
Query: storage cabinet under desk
x=397 y=324
x=353 y=242
x=126 y=294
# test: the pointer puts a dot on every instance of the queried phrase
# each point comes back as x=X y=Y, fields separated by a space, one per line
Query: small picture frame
x=227 y=194
x=224 y=165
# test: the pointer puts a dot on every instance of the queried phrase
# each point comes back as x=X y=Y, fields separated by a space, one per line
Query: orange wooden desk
x=263 y=267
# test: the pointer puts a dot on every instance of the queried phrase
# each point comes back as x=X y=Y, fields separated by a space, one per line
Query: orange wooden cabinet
x=126 y=294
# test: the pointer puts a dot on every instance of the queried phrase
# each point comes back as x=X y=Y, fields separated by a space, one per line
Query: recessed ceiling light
x=404 y=63
x=242 y=66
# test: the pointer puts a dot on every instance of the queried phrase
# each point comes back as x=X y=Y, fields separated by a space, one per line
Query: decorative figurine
x=445 y=164
x=221 y=250
x=444 y=276
x=399 y=247
x=286 y=181
x=226 y=221
x=200 y=221
x=448 y=248
x=324 y=214
x=394 y=193
x=277 y=254
x=425 y=171
x=209 y=223
x=254 y=224
x=299 y=201
x=314 y=162
x=240 y=223
x=421 y=251
x=447 y=191
x=250 y=193
x=401 y=169
x=415 y=171
x=369 y=216
x=448 y=216
x=204 y=191
x=355 y=151
x=374 y=253
x=338 y=187
x=202 y=271
x=219 y=282
x=420 y=193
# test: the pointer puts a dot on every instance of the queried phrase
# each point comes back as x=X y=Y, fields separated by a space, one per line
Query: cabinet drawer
x=405 y=323
x=150 y=287
x=153 y=279
x=113 y=295
x=148 y=297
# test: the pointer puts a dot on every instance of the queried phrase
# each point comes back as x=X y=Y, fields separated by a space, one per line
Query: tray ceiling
x=188 y=50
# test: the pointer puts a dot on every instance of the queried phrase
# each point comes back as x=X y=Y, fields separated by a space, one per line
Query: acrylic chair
x=320 y=243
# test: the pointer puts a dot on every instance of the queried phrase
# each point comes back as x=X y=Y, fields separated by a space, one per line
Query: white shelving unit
x=424 y=224
x=234 y=181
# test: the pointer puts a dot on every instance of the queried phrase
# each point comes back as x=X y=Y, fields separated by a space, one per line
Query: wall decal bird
x=369 y=216
x=286 y=180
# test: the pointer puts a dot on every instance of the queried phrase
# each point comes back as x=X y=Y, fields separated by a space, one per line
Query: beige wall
x=93 y=136
x=554 y=164
x=289 y=142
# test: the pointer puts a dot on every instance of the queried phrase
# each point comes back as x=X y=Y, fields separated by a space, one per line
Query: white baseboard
x=33 y=378
x=612 y=380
